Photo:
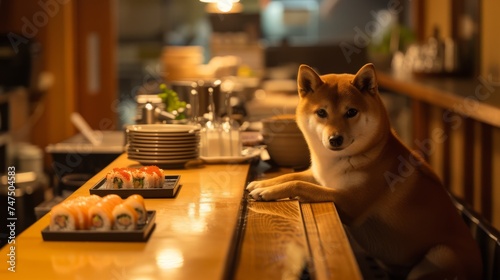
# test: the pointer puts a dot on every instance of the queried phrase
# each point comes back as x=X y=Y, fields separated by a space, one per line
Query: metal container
x=144 y=99
x=201 y=99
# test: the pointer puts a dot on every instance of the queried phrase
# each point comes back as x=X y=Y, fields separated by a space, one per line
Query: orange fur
x=392 y=203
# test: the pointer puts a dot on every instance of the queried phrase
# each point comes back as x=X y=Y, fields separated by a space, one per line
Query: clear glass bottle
x=231 y=138
x=211 y=144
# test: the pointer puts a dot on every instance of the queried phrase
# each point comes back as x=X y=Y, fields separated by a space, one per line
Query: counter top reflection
x=192 y=238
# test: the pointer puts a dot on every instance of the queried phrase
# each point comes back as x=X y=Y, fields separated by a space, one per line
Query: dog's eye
x=351 y=113
x=321 y=113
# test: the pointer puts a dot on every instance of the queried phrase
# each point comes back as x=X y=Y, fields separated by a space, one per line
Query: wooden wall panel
x=495 y=168
x=437 y=14
x=59 y=51
x=52 y=27
x=437 y=150
x=456 y=145
x=490 y=41
x=483 y=169
x=63 y=29
x=467 y=160
x=96 y=47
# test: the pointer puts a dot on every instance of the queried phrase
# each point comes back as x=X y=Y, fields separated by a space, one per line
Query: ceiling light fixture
x=224 y=6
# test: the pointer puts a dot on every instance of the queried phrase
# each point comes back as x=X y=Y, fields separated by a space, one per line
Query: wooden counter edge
x=448 y=100
x=332 y=253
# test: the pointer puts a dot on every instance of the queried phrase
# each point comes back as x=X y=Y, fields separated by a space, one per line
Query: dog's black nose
x=336 y=141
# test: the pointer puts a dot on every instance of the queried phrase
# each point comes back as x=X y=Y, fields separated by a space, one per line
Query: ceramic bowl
x=288 y=149
x=281 y=124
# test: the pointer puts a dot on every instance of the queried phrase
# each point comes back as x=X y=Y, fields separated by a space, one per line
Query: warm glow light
x=224 y=5
x=215 y=1
x=169 y=259
x=224 y=8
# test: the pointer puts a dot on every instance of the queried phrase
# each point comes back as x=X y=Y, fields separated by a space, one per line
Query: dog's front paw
x=269 y=193
x=258 y=194
x=254 y=185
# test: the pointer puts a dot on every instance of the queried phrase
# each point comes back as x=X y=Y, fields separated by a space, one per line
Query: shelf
x=475 y=98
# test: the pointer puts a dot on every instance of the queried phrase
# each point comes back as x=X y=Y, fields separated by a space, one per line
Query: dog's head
x=342 y=111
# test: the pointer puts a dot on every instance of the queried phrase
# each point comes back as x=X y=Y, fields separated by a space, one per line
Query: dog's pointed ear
x=366 y=79
x=307 y=80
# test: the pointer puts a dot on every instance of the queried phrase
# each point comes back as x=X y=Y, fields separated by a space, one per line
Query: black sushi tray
x=141 y=234
x=169 y=189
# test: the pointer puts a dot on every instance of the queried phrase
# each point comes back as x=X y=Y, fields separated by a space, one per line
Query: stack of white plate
x=164 y=145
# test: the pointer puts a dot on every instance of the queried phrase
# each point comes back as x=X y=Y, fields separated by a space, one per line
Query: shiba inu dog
x=389 y=199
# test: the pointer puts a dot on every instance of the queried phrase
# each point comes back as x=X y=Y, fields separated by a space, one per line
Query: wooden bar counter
x=207 y=231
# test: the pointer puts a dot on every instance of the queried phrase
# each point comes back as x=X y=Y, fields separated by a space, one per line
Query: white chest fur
x=336 y=172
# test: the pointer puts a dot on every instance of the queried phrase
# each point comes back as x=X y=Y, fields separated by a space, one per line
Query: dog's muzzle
x=336 y=141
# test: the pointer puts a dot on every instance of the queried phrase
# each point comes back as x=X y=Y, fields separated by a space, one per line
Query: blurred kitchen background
x=95 y=58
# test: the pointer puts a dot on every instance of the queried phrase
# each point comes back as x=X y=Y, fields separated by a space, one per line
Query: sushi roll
x=81 y=207
x=139 y=180
x=72 y=214
x=153 y=170
x=125 y=217
x=137 y=203
x=112 y=199
x=92 y=199
x=148 y=177
x=119 y=178
x=63 y=217
x=101 y=216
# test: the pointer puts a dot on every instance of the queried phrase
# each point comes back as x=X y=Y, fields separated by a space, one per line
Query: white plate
x=162 y=128
x=165 y=163
x=158 y=155
x=177 y=157
x=162 y=134
x=149 y=143
x=160 y=143
x=165 y=139
x=148 y=148
x=246 y=154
